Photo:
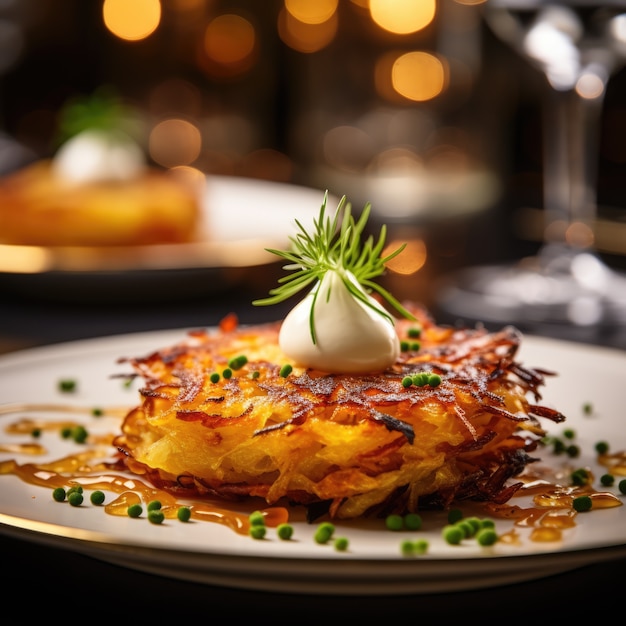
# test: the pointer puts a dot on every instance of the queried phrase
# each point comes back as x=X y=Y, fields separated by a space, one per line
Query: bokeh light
x=229 y=45
x=306 y=37
x=403 y=16
x=174 y=142
x=419 y=76
x=579 y=235
x=131 y=21
x=398 y=160
x=311 y=12
x=347 y=148
x=590 y=86
x=410 y=260
x=191 y=177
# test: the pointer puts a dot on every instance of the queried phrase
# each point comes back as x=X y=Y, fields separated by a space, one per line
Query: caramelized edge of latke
x=466 y=358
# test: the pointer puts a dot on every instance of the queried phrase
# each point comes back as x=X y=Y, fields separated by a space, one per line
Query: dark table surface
x=53 y=583
x=56 y=583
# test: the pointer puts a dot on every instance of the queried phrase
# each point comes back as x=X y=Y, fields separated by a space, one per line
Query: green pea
x=622 y=486
x=394 y=522
x=134 y=510
x=215 y=377
x=607 y=479
x=154 y=505
x=59 y=494
x=486 y=537
x=573 y=451
x=79 y=434
x=407 y=381
x=421 y=379
x=75 y=498
x=96 y=497
x=341 y=544
x=582 y=504
x=454 y=515
x=466 y=527
x=420 y=546
x=238 y=362
x=256 y=518
x=412 y=521
x=183 y=513
x=156 y=516
x=452 y=534
x=580 y=477
x=257 y=531
x=67 y=385
x=434 y=380
x=602 y=447
x=407 y=547
x=475 y=523
x=284 y=531
x=324 y=532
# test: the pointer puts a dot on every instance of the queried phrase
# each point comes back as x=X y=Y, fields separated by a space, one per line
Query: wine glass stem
x=570 y=168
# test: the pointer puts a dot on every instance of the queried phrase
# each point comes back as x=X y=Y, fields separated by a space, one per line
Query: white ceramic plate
x=211 y=553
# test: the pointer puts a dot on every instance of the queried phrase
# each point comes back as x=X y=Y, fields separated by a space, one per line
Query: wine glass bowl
x=577 y=45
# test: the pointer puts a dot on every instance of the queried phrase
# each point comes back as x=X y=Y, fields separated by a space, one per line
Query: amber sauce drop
x=130 y=491
x=33 y=449
x=553 y=510
x=615 y=462
x=90 y=468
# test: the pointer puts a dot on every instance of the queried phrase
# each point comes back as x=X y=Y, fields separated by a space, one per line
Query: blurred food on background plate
x=98 y=189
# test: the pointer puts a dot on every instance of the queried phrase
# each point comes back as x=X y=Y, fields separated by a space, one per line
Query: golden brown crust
x=355 y=443
x=36 y=208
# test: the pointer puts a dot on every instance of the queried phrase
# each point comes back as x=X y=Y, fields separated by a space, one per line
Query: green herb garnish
x=335 y=247
x=103 y=110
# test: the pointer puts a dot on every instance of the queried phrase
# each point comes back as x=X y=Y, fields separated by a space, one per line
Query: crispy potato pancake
x=36 y=208
x=346 y=445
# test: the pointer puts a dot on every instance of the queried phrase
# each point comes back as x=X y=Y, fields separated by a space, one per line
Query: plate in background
x=241 y=218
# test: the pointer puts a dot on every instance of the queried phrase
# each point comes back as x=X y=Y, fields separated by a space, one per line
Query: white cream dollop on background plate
x=98 y=156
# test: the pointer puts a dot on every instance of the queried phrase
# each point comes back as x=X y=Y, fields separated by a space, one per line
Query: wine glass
x=577 y=45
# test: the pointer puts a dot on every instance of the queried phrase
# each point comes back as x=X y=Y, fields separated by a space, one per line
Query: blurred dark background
x=319 y=93
x=316 y=94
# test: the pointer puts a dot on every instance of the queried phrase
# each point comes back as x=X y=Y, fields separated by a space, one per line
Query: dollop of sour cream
x=351 y=338
x=98 y=156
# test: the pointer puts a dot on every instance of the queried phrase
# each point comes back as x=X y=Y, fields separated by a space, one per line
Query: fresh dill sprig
x=336 y=247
